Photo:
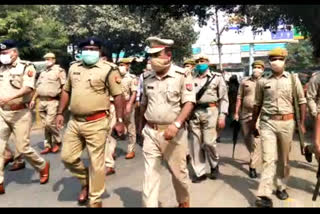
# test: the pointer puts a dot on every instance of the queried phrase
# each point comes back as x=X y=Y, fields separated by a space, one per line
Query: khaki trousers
x=111 y=142
x=48 y=112
x=156 y=148
x=276 y=139
x=129 y=121
x=252 y=143
x=17 y=157
x=203 y=128
x=91 y=135
x=19 y=124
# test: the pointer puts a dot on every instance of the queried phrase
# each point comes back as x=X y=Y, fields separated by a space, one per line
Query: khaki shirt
x=164 y=97
x=246 y=93
x=90 y=87
x=275 y=95
x=216 y=91
x=129 y=85
x=14 y=77
x=51 y=81
x=313 y=95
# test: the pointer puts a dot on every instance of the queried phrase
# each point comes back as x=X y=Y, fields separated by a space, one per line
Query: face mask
x=123 y=70
x=277 y=65
x=90 y=57
x=201 y=68
x=5 y=59
x=159 y=64
x=257 y=72
x=49 y=63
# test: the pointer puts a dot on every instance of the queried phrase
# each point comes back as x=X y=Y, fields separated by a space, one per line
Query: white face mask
x=49 y=63
x=5 y=59
x=257 y=72
x=123 y=70
x=277 y=66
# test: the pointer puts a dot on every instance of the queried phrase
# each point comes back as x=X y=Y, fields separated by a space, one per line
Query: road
x=233 y=189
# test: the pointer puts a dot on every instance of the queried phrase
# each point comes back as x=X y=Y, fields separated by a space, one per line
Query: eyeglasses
x=275 y=59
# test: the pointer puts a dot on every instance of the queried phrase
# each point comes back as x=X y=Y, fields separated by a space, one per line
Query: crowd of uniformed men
x=181 y=112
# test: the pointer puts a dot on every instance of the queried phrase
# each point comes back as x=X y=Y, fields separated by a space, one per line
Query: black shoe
x=264 y=202
x=252 y=173
x=199 y=179
x=282 y=195
x=218 y=140
x=214 y=173
x=308 y=154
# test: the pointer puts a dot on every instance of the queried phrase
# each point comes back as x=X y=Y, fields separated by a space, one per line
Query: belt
x=157 y=126
x=92 y=117
x=49 y=98
x=14 y=107
x=282 y=116
x=206 y=105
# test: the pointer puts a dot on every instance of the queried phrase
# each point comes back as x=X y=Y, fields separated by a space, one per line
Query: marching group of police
x=181 y=114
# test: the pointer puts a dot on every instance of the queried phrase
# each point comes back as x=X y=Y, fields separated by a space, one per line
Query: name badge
x=149 y=87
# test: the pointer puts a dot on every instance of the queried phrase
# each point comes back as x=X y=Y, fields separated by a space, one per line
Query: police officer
x=274 y=99
x=17 y=82
x=209 y=114
x=48 y=89
x=129 y=85
x=88 y=87
x=244 y=108
x=167 y=100
x=16 y=158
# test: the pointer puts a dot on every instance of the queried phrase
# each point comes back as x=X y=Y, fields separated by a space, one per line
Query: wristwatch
x=177 y=124
x=120 y=120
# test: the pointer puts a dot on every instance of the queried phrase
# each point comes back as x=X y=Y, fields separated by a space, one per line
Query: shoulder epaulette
x=112 y=65
x=180 y=70
x=146 y=75
x=25 y=62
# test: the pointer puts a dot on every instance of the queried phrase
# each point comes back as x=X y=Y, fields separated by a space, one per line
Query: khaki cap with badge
x=258 y=62
x=49 y=55
x=157 y=44
x=278 y=52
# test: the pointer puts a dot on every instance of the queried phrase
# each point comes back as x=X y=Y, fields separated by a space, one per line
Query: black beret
x=7 y=44
x=93 y=41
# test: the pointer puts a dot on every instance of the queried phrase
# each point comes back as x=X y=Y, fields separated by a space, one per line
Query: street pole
x=218 y=40
x=251 y=50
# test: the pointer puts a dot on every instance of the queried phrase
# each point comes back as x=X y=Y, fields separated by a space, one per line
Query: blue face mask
x=201 y=68
x=90 y=57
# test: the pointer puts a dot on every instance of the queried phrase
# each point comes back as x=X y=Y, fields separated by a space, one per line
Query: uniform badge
x=118 y=79
x=30 y=73
x=189 y=87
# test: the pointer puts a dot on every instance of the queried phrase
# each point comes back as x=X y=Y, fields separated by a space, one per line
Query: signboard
x=263 y=47
x=282 y=34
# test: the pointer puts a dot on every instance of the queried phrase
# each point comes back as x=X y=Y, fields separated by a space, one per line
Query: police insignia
x=30 y=73
x=189 y=87
x=117 y=79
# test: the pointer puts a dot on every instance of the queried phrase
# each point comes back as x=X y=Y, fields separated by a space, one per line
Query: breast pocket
x=75 y=80
x=286 y=90
x=53 y=77
x=16 y=81
x=173 y=94
x=97 y=83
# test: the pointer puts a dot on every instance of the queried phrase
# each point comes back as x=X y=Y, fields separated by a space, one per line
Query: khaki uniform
x=48 y=87
x=129 y=85
x=246 y=93
x=89 y=89
x=203 y=122
x=12 y=78
x=275 y=98
x=111 y=142
x=163 y=99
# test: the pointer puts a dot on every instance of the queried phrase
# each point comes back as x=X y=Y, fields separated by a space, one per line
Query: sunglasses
x=275 y=59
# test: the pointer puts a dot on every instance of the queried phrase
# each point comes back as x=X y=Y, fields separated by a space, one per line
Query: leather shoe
x=44 y=174
x=83 y=196
x=308 y=154
x=264 y=202
x=184 y=204
x=17 y=166
x=7 y=161
x=252 y=173
x=110 y=171
x=130 y=155
x=45 y=151
x=55 y=148
x=282 y=195
x=199 y=179
x=95 y=205
x=2 y=189
x=214 y=173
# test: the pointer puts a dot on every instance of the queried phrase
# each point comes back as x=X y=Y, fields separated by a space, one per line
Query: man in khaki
x=48 y=90
x=209 y=114
x=17 y=82
x=16 y=158
x=89 y=84
x=129 y=85
x=274 y=99
x=244 y=106
x=168 y=99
